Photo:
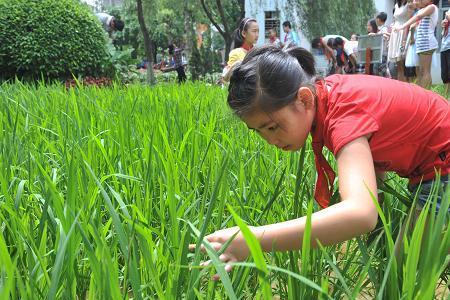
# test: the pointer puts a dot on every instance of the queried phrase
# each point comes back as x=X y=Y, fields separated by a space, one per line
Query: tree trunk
x=228 y=42
x=242 y=10
x=147 y=44
x=190 y=40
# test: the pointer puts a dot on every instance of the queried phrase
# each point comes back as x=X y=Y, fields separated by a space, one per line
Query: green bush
x=50 y=39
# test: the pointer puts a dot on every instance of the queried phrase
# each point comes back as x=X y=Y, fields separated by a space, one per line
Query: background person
x=345 y=58
x=273 y=39
x=290 y=37
x=445 y=53
x=110 y=23
x=245 y=37
x=176 y=58
x=426 y=42
x=397 y=41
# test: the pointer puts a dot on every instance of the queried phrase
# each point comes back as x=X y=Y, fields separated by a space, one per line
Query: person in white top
x=397 y=42
x=110 y=23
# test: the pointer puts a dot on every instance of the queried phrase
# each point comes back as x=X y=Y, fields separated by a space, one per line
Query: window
x=271 y=20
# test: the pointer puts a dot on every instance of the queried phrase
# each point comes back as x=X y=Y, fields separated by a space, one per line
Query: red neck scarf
x=325 y=174
x=246 y=47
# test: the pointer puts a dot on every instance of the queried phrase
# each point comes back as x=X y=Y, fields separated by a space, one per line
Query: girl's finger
x=215 y=277
x=228 y=268
x=216 y=246
x=224 y=257
x=205 y=263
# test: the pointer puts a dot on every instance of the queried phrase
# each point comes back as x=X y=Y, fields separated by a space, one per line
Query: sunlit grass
x=102 y=190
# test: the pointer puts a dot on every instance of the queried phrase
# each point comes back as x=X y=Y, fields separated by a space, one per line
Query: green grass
x=102 y=190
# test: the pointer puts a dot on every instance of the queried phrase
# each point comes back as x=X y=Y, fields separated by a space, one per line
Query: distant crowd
x=408 y=44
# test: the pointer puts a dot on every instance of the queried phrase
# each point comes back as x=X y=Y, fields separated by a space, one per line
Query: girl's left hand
x=236 y=251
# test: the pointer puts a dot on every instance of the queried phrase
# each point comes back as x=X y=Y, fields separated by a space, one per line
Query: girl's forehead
x=256 y=119
x=252 y=25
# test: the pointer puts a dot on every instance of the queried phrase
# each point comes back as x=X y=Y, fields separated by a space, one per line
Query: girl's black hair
x=243 y=26
x=373 y=24
x=268 y=78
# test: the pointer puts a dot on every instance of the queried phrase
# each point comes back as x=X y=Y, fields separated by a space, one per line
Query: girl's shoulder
x=428 y=10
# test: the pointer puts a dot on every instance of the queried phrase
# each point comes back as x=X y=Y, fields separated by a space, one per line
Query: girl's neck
x=246 y=46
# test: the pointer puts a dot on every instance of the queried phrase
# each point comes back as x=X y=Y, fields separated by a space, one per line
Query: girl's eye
x=273 y=128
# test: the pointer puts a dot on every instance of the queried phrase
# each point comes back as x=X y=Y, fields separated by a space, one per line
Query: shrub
x=50 y=39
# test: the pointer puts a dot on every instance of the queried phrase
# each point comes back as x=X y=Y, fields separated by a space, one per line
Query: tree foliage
x=50 y=39
x=225 y=16
x=344 y=17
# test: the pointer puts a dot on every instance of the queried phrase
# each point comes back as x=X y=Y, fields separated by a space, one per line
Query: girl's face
x=251 y=34
x=369 y=28
x=287 y=128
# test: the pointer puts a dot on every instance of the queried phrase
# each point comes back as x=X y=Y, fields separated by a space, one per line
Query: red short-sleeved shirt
x=409 y=126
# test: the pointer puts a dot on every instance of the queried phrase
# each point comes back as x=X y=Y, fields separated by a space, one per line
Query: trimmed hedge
x=50 y=39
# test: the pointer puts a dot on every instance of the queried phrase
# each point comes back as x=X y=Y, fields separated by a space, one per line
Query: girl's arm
x=354 y=215
x=420 y=15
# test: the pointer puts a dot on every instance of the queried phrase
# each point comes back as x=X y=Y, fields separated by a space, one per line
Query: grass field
x=102 y=190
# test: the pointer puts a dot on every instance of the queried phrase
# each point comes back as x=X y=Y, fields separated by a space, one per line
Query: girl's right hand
x=236 y=251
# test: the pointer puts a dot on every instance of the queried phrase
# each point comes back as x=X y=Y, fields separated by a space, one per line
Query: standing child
x=381 y=18
x=244 y=39
x=412 y=59
x=445 y=53
x=176 y=58
x=397 y=40
x=426 y=42
x=371 y=124
x=290 y=37
x=273 y=39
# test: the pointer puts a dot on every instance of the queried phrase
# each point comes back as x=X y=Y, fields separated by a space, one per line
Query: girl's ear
x=305 y=97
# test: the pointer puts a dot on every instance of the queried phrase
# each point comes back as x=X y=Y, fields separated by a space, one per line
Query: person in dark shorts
x=445 y=53
x=177 y=59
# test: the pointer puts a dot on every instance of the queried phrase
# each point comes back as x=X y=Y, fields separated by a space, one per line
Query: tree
x=31 y=46
x=225 y=15
x=321 y=17
x=147 y=43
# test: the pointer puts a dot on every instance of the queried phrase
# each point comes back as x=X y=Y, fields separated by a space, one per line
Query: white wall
x=387 y=6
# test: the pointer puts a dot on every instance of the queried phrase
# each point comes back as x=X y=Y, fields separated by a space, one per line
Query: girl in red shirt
x=371 y=124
